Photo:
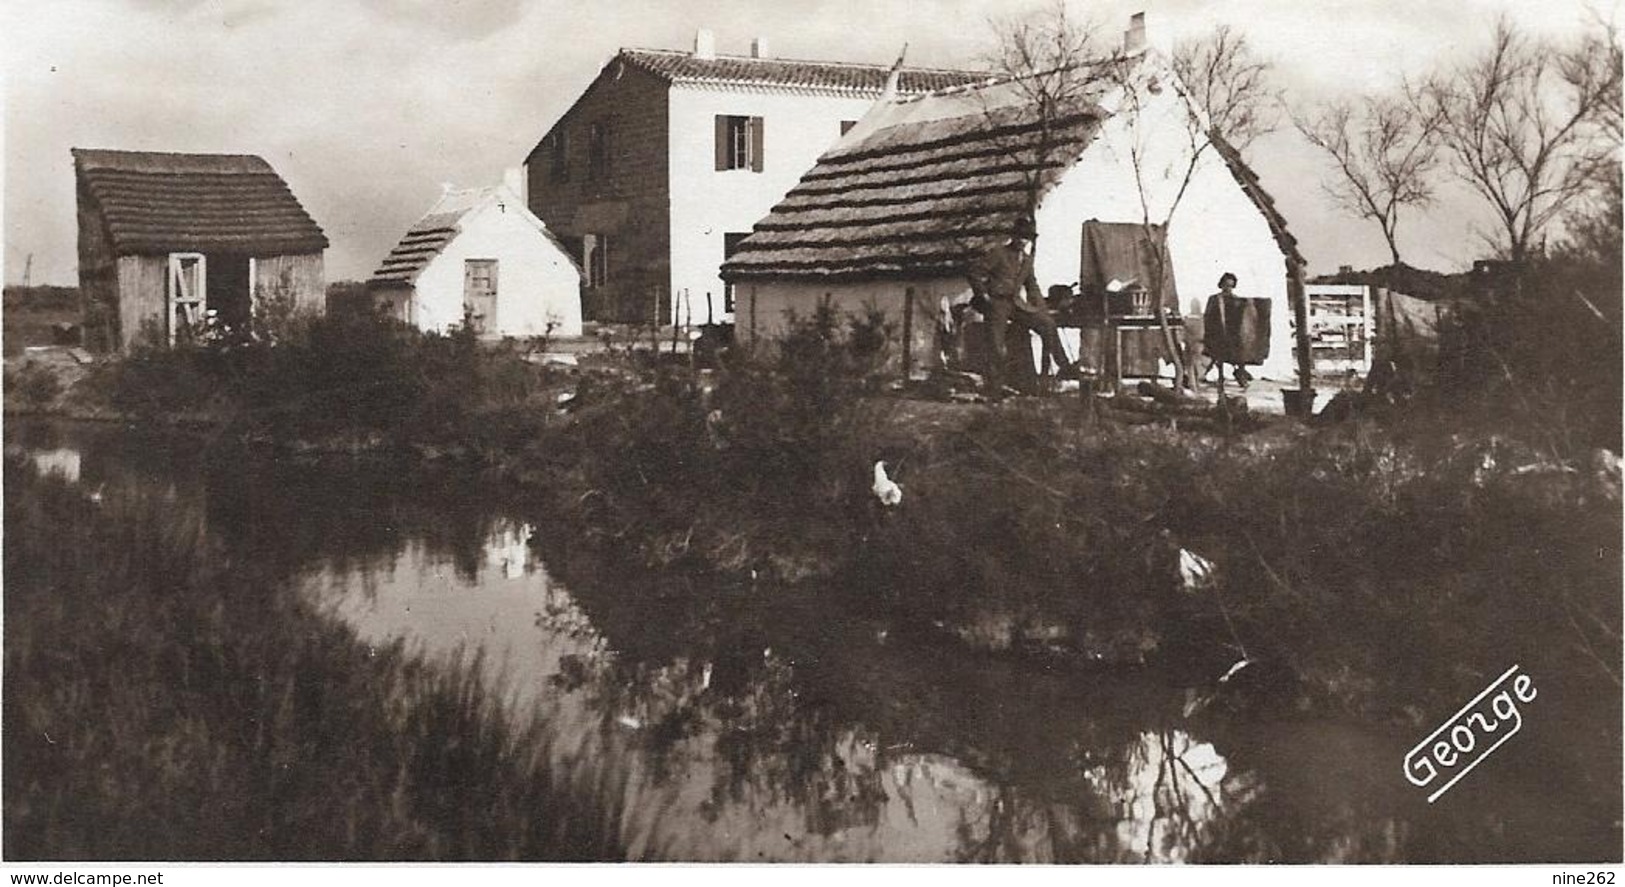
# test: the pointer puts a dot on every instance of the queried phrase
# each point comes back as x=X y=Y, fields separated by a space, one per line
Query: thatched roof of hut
x=923 y=182
x=429 y=235
x=914 y=196
x=156 y=203
x=423 y=241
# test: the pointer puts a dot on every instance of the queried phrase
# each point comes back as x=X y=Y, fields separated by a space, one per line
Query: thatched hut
x=890 y=216
x=480 y=255
x=164 y=239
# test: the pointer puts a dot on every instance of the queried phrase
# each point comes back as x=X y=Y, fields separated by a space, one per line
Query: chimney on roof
x=1134 y=37
x=758 y=48
x=705 y=44
x=894 y=77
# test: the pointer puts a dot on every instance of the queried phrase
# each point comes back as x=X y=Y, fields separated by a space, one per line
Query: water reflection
x=747 y=724
x=730 y=759
x=60 y=462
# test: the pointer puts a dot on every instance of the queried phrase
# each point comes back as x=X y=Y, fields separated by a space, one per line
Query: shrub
x=35 y=384
x=347 y=376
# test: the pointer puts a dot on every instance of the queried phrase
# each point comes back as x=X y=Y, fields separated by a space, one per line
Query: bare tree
x=1386 y=155
x=1226 y=98
x=1060 y=73
x=1522 y=123
x=1053 y=68
x=1230 y=84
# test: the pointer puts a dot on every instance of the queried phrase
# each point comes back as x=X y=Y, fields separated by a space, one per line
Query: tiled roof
x=915 y=198
x=683 y=67
x=159 y=203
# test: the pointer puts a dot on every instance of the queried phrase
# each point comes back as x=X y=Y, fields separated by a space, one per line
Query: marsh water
x=750 y=722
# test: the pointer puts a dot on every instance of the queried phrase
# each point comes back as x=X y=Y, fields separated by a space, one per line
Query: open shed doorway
x=230 y=289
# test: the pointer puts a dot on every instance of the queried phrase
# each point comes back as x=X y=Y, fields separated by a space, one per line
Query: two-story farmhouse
x=666 y=161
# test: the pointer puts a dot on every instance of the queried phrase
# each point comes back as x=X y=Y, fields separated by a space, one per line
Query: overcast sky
x=367 y=106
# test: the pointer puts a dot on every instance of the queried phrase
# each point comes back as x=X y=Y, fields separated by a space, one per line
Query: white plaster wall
x=537 y=283
x=706 y=202
x=1214 y=228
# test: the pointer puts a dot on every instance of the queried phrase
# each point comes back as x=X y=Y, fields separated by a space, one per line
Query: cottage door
x=480 y=294
x=186 y=294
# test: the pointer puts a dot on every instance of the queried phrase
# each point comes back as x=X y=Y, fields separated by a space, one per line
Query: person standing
x=1229 y=330
x=999 y=275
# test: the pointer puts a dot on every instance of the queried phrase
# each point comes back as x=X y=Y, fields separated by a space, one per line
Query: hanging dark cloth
x=1125 y=251
x=1236 y=330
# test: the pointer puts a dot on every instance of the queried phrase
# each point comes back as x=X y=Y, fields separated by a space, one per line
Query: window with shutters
x=739 y=142
x=596 y=249
x=558 y=168
x=598 y=151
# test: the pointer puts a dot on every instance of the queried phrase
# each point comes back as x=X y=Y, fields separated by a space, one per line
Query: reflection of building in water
x=1164 y=793
x=508 y=548
x=62 y=462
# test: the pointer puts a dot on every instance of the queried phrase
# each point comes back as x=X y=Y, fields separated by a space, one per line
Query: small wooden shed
x=166 y=238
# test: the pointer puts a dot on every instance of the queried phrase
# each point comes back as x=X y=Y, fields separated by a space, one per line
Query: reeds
x=163 y=702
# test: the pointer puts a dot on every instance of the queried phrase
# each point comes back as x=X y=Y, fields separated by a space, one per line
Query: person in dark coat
x=998 y=277
x=1221 y=329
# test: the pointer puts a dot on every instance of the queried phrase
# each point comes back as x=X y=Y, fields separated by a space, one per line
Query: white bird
x=1238 y=666
x=886 y=489
x=1195 y=572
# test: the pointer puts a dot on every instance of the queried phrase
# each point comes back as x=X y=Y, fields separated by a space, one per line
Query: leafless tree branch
x=1386 y=152
x=1527 y=124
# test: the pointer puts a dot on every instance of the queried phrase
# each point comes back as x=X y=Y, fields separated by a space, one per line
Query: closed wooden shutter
x=756 y=144
x=722 y=142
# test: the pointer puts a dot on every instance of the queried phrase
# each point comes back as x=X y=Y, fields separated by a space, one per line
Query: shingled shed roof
x=682 y=67
x=161 y=203
x=1248 y=180
x=423 y=241
x=430 y=234
x=913 y=199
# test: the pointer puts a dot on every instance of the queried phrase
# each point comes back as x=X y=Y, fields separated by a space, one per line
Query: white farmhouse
x=661 y=166
x=889 y=216
x=481 y=253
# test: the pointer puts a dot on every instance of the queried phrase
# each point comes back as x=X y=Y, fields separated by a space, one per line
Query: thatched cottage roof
x=157 y=203
x=863 y=80
x=926 y=181
x=423 y=241
x=914 y=198
x=430 y=234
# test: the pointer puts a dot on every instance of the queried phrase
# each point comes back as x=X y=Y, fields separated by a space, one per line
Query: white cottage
x=890 y=215
x=481 y=253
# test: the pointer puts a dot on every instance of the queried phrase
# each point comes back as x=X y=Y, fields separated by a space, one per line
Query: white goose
x=886 y=489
